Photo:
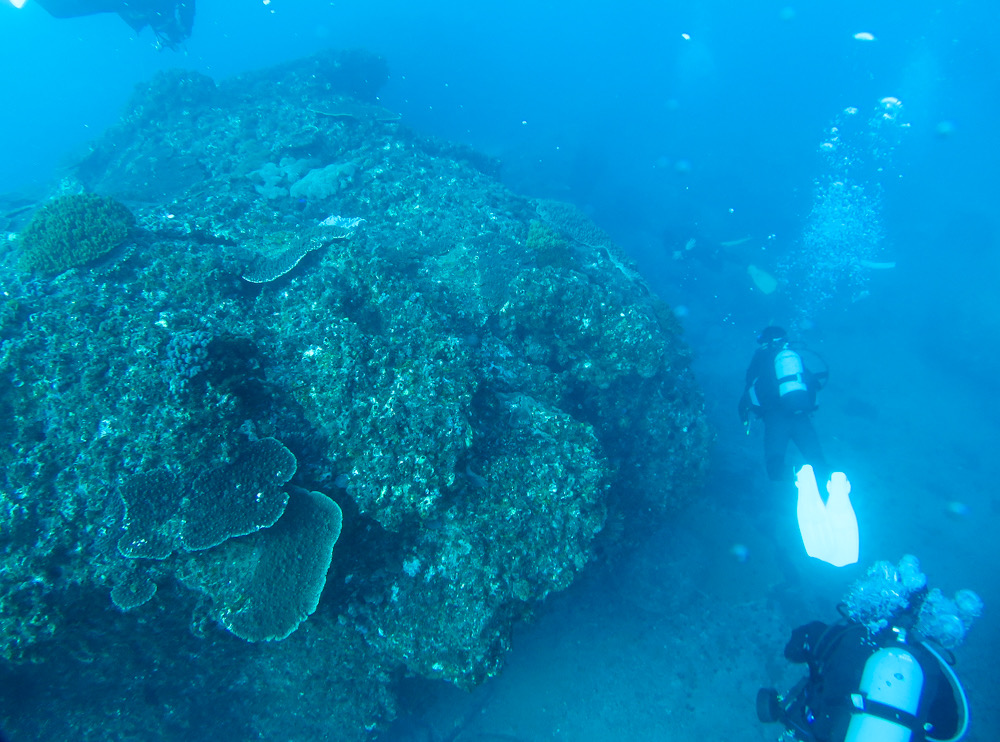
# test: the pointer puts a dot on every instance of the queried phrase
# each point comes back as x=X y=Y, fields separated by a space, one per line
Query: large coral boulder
x=298 y=440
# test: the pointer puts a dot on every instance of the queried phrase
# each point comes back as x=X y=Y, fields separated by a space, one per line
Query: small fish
x=864 y=36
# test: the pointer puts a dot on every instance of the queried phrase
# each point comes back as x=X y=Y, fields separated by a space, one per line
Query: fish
x=762 y=279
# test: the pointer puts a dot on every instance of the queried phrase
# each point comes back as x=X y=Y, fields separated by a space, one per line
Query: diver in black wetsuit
x=170 y=20
x=864 y=688
x=885 y=671
x=782 y=392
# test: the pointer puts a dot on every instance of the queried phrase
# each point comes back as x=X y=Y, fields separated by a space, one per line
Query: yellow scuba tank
x=892 y=677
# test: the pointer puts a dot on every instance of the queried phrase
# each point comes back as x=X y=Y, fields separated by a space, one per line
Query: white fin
x=829 y=530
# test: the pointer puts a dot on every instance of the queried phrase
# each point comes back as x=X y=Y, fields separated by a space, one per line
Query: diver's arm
x=802 y=645
x=754 y=371
x=746 y=404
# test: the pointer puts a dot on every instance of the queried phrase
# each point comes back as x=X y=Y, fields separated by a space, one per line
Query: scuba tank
x=888 y=699
x=789 y=371
x=793 y=393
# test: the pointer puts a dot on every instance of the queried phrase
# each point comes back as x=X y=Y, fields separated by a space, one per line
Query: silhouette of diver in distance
x=782 y=392
x=170 y=20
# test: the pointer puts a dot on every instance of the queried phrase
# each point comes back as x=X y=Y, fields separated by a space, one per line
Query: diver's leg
x=806 y=440
x=777 y=431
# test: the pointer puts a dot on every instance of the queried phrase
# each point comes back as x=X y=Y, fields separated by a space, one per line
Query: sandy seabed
x=673 y=642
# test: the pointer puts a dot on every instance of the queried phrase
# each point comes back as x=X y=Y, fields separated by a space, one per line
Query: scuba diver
x=876 y=676
x=782 y=392
x=170 y=20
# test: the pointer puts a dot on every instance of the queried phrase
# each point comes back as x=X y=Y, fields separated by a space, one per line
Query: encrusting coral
x=73 y=230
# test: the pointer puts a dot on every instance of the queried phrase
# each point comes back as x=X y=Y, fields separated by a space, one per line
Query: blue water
x=660 y=137
x=701 y=122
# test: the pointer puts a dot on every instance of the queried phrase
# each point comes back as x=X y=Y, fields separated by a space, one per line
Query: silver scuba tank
x=790 y=372
x=893 y=677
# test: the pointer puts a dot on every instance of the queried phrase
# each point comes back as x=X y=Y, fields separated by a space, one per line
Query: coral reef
x=73 y=230
x=262 y=587
x=282 y=459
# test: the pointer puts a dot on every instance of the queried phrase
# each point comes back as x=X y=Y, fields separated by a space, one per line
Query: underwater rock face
x=475 y=386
